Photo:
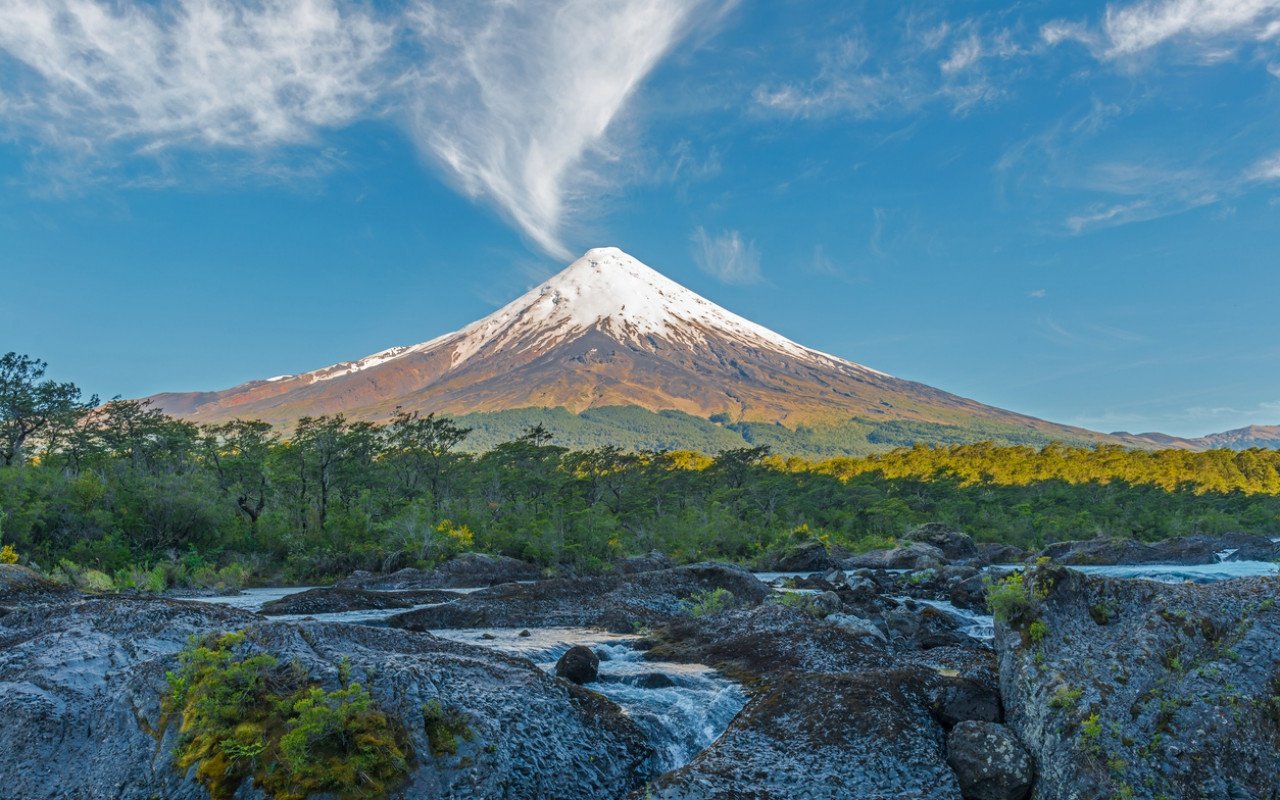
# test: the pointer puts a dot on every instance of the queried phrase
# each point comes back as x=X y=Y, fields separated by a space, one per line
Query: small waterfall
x=682 y=708
x=971 y=623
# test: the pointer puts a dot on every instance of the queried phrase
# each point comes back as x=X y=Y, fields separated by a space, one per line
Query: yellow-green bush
x=8 y=554
x=244 y=716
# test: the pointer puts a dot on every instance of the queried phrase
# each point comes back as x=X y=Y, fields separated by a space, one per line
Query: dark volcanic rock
x=19 y=586
x=1183 y=550
x=912 y=556
x=645 y=563
x=820 y=736
x=964 y=700
x=579 y=664
x=466 y=571
x=833 y=712
x=336 y=600
x=806 y=557
x=80 y=688
x=1138 y=684
x=1205 y=549
x=989 y=761
x=996 y=553
x=614 y=602
x=955 y=546
x=1101 y=551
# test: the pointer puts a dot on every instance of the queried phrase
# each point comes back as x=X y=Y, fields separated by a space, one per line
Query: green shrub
x=804 y=602
x=1008 y=598
x=710 y=602
x=1065 y=698
x=8 y=554
x=245 y=716
x=92 y=580
x=444 y=727
x=1037 y=630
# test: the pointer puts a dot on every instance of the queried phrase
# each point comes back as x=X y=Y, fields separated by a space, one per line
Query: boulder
x=645 y=563
x=466 y=571
x=955 y=546
x=81 y=687
x=911 y=556
x=806 y=557
x=989 y=761
x=857 y=626
x=579 y=664
x=617 y=603
x=1102 y=551
x=1127 y=684
x=996 y=553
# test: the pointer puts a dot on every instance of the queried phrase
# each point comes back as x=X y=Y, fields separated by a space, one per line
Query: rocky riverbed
x=699 y=681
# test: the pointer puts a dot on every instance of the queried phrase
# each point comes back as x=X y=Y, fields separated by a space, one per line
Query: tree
x=30 y=407
x=418 y=449
x=238 y=451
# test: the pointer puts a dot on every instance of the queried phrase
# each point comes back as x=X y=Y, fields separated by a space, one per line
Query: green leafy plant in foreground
x=712 y=601
x=246 y=716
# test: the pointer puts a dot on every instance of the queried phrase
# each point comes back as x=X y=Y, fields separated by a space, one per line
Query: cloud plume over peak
x=516 y=99
x=513 y=101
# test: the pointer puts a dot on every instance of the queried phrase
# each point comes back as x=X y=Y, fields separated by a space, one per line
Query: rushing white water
x=682 y=708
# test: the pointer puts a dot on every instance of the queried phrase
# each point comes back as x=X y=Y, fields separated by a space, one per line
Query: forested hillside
x=144 y=499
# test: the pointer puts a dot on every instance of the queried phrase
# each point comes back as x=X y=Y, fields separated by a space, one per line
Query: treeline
x=144 y=499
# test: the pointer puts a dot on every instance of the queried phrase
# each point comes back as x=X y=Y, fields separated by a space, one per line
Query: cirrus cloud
x=515 y=103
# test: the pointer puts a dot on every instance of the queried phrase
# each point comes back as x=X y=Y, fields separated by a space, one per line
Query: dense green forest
x=121 y=495
x=633 y=428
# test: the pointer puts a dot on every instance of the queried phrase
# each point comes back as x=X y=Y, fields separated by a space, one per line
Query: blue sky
x=1068 y=209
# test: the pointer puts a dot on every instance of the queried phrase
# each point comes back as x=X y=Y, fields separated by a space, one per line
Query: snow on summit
x=605 y=289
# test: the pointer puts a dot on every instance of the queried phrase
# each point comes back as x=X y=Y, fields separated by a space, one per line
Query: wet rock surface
x=466 y=571
x=338 y=600
x=610 y=602
x=1135 y=688
x=579 y=664
x=80 y=689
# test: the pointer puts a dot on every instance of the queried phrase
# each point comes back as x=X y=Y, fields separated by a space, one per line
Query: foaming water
x=1180 y=573
x=682 y=708
x=970 y=623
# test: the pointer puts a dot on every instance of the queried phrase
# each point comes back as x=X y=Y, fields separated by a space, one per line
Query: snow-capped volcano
x=606 y=331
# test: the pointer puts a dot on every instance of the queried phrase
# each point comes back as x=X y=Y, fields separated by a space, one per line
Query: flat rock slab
x=617 y=603
x=337 y=600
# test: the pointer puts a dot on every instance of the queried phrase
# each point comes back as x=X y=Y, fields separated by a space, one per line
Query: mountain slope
x=609 y=331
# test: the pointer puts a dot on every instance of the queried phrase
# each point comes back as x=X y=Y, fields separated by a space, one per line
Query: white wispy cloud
x=1266 y=169
x=201 y=72
x=1132 y=28
x=515 y=102
x=865 y=77
x=726 y=256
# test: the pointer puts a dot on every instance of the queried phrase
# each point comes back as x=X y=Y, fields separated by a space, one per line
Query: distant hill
x=1266 y=436
x=611 y=351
